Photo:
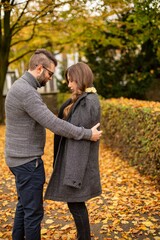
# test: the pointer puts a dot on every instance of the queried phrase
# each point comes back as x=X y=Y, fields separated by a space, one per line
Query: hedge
x=133 y=128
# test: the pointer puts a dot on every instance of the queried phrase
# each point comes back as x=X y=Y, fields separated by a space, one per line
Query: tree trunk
x=2 y=115
x=5 y=41
x=3 y=72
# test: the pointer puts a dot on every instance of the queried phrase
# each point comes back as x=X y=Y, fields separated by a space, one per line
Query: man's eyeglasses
x=49 y=72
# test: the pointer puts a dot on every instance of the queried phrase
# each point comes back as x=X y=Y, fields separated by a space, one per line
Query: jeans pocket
x=38 y=176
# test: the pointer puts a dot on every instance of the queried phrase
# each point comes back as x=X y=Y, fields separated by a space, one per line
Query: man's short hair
x=41 y=56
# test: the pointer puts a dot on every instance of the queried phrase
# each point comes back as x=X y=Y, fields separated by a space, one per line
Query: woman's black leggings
x=80 y=215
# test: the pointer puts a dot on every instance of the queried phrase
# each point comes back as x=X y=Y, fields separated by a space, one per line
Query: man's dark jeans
x=30 y=179
x=80 y=215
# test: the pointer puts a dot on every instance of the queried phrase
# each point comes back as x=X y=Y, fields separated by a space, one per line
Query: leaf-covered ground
x=129 y=207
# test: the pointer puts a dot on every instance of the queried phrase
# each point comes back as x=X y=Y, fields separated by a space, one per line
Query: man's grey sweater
x=26 y=119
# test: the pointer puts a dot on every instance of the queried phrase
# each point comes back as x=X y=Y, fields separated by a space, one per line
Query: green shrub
x=61 y=98
x=133 y=127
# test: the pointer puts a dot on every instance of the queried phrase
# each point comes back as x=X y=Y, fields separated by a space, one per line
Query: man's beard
x=41 y=79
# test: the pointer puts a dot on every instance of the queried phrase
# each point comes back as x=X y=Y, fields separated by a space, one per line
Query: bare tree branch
x=19 y=18
x=21 y=56
x=25 y=40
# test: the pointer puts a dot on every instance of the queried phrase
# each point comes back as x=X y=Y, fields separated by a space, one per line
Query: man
x=26 y=119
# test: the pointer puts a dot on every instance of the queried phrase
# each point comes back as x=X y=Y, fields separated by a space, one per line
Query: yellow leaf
x=1 y=234
x=49 y=221
x=52 y=227
x=148 y=224
x=65 y=227
x=144 y=228
x=43 y=231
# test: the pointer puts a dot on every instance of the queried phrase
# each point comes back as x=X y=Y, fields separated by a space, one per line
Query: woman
x=75 y=177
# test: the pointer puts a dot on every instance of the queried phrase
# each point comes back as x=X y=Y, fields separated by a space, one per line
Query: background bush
x=133 y=128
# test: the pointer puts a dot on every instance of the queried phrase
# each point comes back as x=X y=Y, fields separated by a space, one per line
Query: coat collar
x=31 y=80
x=76 y=103
x=60 y=115
x=78 y=100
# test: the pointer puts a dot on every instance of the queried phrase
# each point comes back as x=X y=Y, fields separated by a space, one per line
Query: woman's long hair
x=83 y=76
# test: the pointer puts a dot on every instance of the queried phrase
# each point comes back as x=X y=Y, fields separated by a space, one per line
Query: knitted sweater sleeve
x=38 y=110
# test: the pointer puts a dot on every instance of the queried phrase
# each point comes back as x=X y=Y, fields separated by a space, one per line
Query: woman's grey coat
x=76 y=177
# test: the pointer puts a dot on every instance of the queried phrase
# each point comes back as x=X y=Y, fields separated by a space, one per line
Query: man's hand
x=95 y=133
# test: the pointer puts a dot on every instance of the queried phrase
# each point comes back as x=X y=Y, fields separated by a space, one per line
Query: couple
x=75 y=176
